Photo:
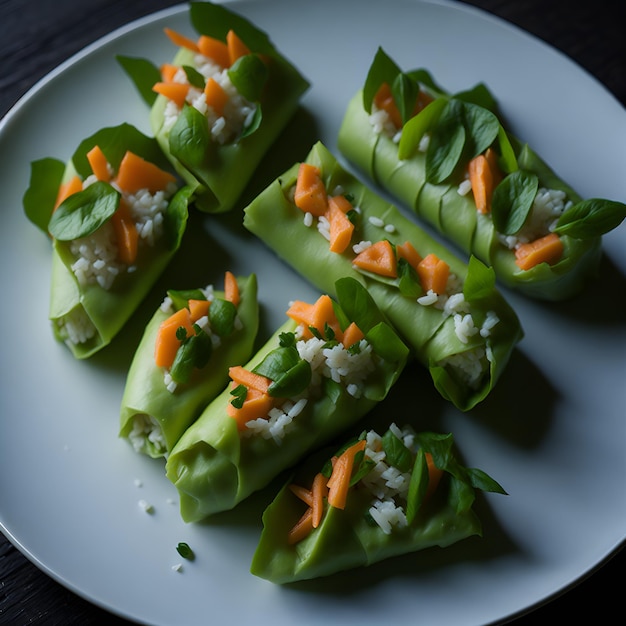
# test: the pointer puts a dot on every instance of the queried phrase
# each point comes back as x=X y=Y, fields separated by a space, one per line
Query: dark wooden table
x=37 y=35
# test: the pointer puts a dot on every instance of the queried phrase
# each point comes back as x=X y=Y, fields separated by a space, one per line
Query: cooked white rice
x=146 y=430
x=347 y=367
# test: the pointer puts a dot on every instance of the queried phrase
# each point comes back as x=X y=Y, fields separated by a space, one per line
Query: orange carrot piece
x=176 y=92
x=72 y=186
x=99 y=164
x=492 y=158
x=167 y=344
x=339 y=481
x=125 y=233
x=310 y=195
x=434 y=475
x=136 y=173
x=341 y=228
x=383 y=99
x=351 y=335
x=236 y=47
x=168 y=71
x=304 y=494
x=214 y=49
x=180 y=40
x=198 y=309
x=319 y=492
x=241 y=376
x=433 y=273
x=482 y=182
x=379 y=258
x=408 y=252
x=547 y=249
x=256 y=405
x=231 y=288
x=317 y=315
x=302 y=528
x=215 y=96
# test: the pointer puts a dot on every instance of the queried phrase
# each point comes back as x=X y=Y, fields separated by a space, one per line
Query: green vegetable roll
x=175 y=374
x=450 y=314
x=323 y=370
x=449 y=159
x=116 y=216
x=221 y=103
x=375 y=498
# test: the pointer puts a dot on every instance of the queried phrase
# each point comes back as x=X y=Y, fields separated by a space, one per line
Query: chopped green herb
x=185 y=551
x=239 y=392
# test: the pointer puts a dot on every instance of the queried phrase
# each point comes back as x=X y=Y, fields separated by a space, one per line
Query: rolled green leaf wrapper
x=464 y=367
x=418 y=504
x=156 y=409
x=426 y=168
x=217 y=463
x=216 y=162
x=93 y=292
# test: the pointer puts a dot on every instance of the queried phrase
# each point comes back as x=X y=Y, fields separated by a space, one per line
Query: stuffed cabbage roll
x=373 y=499
x=183 y=358
x=116 y=215
x=323 y=370
x=450 y=159
x=220 y=104
x=326 y=224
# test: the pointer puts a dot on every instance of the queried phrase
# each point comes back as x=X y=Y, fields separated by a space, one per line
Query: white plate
x=552 y=432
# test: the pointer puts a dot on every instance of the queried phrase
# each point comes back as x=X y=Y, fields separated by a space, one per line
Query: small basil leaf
x=181 y=298
x=190 y=137
x=194 y=77
x=357 y=304
x=418 y=126
x=508 y=160
x=481 y=480
x=194 y=352
x=481 y=127
x=84 y=212
x=405 y=92
x=277 y=362
x=480 y=280
x=45 y=178
x=408 y=280
x=382 y=70
x=591 y=218
x=185 y=551
x=512 y=201
x=222 y=315
x=249 y=75
x=479 y=95
x=293 y=382
x=397 y=454
x=254 y=123
x=144 y=75
x=362 y=467
x=446 y=143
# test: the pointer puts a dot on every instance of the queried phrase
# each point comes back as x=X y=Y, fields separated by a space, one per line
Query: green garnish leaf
x=180 y=298
x=418 y=126
x=39 y=199
x=194 y=77
x=194 y=352
x=287 y=340
x=480 y=280
x=249 y=75
x=591 y=218
x=190 y=137
x=185 y=551
x=446 y=143
x=481 y=127
x=144 y=75
x=277 y=362
x=239 y=394
x=512 y=201
x=484 y=482
x=222 y=314
x=397 y=454
x=405 y=91
x=84 y=212
x=293 y=382
x=382 y=70
x=408 y=280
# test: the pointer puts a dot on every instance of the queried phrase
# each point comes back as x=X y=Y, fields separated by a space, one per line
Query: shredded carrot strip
x=306 y=495
x=231 y=288
x=302 y=528
x=180 y=40
x=339 y=481
x=319 y=492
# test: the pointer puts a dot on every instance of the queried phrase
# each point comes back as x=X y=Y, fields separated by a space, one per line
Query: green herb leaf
x=408 y=280
x=287 y=340
x=84 y=212
x=45 y=178
x=190 y=137
x=484 y=482
x=185 y=551
x=194 y=352
x=591 y=218
x=512 y=201
x=277 y=362
x=180 y=298
x=194 y=77
x=144 y=75
x=480 y=280
x=222 y=314
x=397 y=454
x=405 y=91
x=418 y=126
x=239 y=394
x=293 y=382
x=481 y=128
x=382 y=70
x=249 y=75
x=446 y=143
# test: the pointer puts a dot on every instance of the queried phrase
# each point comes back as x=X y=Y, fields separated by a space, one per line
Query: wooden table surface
x=37 y=35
